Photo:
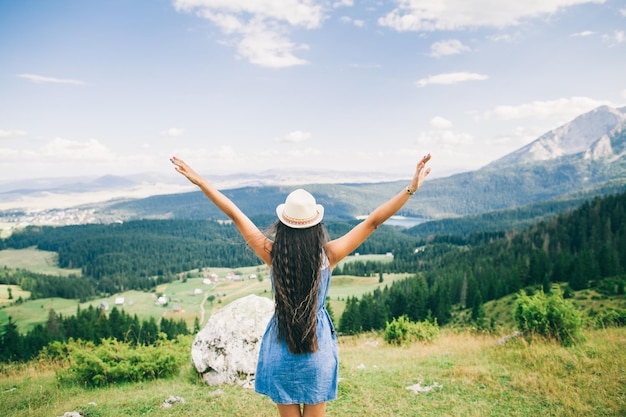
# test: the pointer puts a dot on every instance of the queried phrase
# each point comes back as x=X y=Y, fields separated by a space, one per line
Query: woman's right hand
x=186 y=170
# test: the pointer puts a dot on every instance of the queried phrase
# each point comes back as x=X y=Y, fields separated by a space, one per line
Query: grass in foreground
x=478 y=377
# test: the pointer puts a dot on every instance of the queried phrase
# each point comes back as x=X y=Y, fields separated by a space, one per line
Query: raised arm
x=250 y=232
x=341 y=247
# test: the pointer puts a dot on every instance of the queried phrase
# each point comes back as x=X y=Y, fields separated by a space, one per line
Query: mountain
x=62 y=193
x=579 y=160
x=587 y=155
x=587 y=132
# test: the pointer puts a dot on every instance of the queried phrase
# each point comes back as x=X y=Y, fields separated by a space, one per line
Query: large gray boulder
x=226 y=350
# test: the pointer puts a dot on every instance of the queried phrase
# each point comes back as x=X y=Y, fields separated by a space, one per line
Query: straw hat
x=300 y=210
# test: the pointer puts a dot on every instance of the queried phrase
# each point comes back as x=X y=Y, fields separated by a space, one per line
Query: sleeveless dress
x=306 y=378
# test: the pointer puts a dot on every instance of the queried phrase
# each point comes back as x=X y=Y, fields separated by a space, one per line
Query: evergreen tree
x=330 y=311
x=350 y=321
x=11 y=343
x=196 y=325
x=149 y=332
x=54 y=326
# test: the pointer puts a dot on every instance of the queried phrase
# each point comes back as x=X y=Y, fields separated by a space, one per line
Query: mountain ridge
x=576 y=136
x=587 y=155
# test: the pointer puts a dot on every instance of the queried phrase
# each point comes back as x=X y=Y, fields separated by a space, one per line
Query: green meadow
x=34 y=260
x=459 y=373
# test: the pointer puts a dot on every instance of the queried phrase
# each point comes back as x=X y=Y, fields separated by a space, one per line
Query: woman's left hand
x=420 y=173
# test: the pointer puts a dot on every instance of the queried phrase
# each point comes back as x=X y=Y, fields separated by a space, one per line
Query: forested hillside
x=577 y=246
x=142 y=254
x=582 y=247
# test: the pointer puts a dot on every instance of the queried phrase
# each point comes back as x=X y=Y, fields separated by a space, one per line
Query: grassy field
x=14 y=291
x=34 y=260
x=589 y=302
x=469 y=375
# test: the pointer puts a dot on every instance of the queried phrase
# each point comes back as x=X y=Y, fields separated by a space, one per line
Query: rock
x=226 y=350
x=171 y=400
x=512 y=336
x=417 y=388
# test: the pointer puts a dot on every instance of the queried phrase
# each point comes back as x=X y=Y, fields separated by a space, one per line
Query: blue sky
x=117 y=86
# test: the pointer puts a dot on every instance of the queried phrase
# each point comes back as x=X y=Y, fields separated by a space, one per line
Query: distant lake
x=401 y=221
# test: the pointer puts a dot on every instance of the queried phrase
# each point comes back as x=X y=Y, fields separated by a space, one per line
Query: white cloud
x=616 y=38
x=428 y=15
x=366 y=66
x=624 y=93
x=355 y=22
x=41 y=79
x=65 y=149
x=8 y=154
x=343 y=3
x=173 y=132
x=11 y=133
x=444 y=138
x=296 y=136
x=505 y=37
x=303 y=153
x=439 y=122
x=448 y=47
x=583 y=34
x=221 y=158
x=75 y=158
x=450 y=78
x=622 y=12
x=269 y=48
x=260 y=28
x=564 y=108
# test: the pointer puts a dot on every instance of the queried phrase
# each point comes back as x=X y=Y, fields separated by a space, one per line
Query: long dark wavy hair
x=297 y=256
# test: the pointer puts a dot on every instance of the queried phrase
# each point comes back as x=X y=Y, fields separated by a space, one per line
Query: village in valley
x=194 y=294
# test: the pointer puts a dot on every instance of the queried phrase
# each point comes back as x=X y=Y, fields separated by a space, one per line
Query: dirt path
x=206 y=296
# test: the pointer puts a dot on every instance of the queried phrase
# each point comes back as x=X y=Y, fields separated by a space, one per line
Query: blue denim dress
x=308 y=378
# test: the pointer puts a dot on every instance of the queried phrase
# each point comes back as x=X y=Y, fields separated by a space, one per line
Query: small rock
x=417 y=388
x=509 y=337
x=171 y=400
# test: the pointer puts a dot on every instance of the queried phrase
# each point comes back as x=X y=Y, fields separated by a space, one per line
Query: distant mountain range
x=579 y=160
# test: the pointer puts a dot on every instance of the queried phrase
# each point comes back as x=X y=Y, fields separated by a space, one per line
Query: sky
x=116 y=87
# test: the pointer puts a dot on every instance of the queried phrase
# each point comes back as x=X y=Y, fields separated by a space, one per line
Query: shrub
x=402 y=331
x=115 y=362
x=548 y=316
x=612 y=285
x=614 y=317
